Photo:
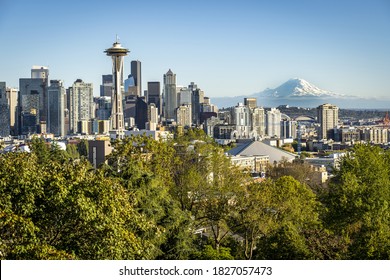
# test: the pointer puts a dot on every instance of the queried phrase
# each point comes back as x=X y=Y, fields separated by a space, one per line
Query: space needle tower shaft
x=117 y=53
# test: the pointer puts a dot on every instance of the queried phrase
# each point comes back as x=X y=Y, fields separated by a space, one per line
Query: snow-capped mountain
x=297 y=88
x=300 y=93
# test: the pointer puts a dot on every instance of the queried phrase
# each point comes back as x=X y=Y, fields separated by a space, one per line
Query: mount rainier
x=300 y=93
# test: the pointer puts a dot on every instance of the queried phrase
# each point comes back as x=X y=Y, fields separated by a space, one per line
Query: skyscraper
x=154 y=95
x=56 y=110
x=4 y=111
x=170 y=95
x=328 y=118
x=42 y=72
x=152 y=116
x=197 y=99
x=12 y=95
x=117 y=53
x=103 y=110
x=185 y=96
x=141 y=112
x=81 y=105
x=136 y=74
x=32 y=104
x=106 y=86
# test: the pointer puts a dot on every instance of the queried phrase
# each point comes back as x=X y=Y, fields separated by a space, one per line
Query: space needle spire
x=117 y=53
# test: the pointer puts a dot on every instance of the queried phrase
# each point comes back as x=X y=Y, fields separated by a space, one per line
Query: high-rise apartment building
x=258 y=121
x=152 y=116
x=183 y=115
x=4 y=111
x=328 y=118
x=170 y=95
x=81 y=105
x=242 y=120
x=274 y=118
x=56 y=108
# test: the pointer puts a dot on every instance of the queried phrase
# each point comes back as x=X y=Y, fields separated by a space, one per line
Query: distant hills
x=300 y=93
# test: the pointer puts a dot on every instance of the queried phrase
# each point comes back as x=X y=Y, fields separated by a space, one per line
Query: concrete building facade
x=274 y=118
x=328 y=118
x=81 y=105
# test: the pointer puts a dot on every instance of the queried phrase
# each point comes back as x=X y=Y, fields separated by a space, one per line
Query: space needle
x=117 y=53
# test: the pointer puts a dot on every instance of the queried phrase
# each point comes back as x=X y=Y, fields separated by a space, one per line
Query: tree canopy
x=183 y=199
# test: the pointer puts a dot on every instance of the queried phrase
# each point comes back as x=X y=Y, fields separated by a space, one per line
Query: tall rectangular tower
x=30 y=105
x=106 y=86
x=12 y=96
x=56 y=109
x=136 y=74
x=81 y=106
x=274 y=117
x=42 y=72
x=328 y=118
x=197 y=99
x=258 y=121
x=242 y=120
x=154 y=95
x=4 y=111
x=170 y=95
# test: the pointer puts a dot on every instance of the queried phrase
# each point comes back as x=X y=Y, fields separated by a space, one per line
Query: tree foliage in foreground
x=358 y=201
x=183 y=199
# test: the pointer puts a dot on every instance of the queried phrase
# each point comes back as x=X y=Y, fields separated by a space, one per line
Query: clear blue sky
x=227 y=47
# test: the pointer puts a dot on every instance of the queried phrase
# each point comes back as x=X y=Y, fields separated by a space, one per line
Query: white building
x=183 y=115
x=258 y=121
x=274 y=118
x=81 y=105
x=242 y=120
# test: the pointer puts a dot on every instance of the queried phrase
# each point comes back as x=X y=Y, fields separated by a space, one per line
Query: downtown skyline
x=339 y=46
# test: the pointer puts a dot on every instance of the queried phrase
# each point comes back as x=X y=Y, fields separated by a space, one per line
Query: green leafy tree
x=257 y=215
x=72 y=152
x=291 y=210
x=39 y=147
x=358 y=203
x=216 y=207
x=210 y=253
x=145 y=167
x=57 y=210
x=82 y=148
